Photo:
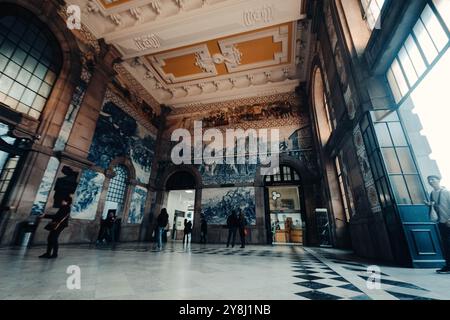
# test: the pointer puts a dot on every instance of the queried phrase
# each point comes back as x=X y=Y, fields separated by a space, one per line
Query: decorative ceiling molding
x=84 y=35
x=133 y=111
x=202 y=54
x=122 y=23
x=220 y=95
x=137 y=88
x=280 y=34
x=203 y=62
x=262 y=99
x=147 y=32
x=205 y=85
x=259 y=15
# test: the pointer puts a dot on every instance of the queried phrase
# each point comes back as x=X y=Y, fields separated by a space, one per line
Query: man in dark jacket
x=107 y=228
x=242 y=222
x=162 y=221
x=203 y=230
x=232 y=224
x=187 y=231
x=60 y=221
x=65 y=186
x=440 y=201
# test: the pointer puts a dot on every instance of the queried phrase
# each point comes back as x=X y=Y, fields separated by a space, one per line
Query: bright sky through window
x=372 y=8
x=432 y=105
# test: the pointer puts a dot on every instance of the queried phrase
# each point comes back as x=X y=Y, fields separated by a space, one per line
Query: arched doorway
x=285 y=207
x=179 y=202
x=117 y=192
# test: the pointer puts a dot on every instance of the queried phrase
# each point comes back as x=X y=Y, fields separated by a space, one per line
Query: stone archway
x=308 y=185
x=170 y=180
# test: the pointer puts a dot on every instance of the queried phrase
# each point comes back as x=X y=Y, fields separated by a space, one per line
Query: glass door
x=286 y=221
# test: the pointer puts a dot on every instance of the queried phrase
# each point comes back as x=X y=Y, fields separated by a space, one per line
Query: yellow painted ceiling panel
x=113 y=3
x=182 y=66
x=258 y=50
x=253 y=51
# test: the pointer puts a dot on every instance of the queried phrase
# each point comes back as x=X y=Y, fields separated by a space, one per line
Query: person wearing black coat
x=162 y=221
x=203 y=230
x=242 y=223
x=232 y=224
x=60 y=221
x=107 y=228
x=187 y=231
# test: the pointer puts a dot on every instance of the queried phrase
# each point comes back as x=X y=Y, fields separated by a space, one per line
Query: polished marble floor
x=209 y=272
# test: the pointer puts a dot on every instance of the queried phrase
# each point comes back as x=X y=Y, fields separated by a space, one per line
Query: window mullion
x=439 y=17
x=422 y=53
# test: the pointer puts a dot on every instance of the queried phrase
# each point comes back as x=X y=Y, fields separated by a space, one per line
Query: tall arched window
x=372 y=12
x=325 y=125
x=326 y=122
x=30 y=61
x=115 y=199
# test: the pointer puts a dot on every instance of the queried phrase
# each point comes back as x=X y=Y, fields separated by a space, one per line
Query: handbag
x=433 y=213
x=51 y=226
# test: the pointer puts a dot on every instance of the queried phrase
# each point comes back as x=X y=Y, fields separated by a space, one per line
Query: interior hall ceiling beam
x=143 y=27
x=202 y=51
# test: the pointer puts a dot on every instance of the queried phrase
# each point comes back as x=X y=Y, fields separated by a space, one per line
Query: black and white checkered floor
x=315 y=279
x=256 y=272
x=355 y=273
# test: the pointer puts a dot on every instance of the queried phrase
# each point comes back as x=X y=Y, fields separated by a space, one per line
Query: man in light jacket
x=440 y=200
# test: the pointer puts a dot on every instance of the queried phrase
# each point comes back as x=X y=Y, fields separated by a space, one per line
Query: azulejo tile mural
x=45 y=187
x=87 y=195
x=217 y=204
x=119 y=135
x=137 y=205
x=293 y=141
x=74 y=107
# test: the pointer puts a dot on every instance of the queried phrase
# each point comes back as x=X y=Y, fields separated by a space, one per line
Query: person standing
x=60 y=221
x=203 y=230
x=187 y=231
x=440 y=201
x=232 y=224
x=102 y=232
x=162 y=221
x=242 y=224
x=107 y=228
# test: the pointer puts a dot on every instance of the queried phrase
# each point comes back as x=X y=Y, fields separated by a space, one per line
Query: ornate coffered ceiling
x=201 y=51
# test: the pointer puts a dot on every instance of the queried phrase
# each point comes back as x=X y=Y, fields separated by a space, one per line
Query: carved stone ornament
x=150 y=41
x=207 y=64
x=257 y=16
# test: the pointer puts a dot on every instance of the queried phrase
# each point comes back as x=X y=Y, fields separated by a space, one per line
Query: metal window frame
x=117 y=189
x=429 y=66
x=55 y=62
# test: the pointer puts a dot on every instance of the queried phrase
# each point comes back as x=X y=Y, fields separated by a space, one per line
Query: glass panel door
x=285 y=215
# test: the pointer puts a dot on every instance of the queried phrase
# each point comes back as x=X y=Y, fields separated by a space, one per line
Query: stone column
x=83 y=130
x=197 y=215
x=154 y=186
